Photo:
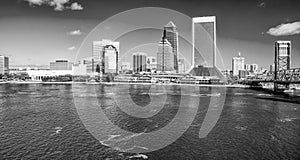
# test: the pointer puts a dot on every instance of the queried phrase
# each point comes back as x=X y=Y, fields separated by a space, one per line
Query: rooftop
x=170 y=24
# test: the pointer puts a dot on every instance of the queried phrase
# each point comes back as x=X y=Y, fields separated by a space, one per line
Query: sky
x=40 y=31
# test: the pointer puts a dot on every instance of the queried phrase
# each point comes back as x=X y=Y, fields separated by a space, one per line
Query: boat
x=289 y=90
x=92 y=81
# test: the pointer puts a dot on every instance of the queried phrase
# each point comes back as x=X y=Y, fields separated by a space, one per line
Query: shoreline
x=123 y=83
x=268 y=90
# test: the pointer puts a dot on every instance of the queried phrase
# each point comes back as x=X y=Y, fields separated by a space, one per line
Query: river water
x=77 y=121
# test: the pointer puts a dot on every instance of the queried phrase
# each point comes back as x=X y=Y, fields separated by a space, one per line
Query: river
x=78 y=121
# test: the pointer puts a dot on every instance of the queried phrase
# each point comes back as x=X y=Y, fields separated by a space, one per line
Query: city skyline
x=65 y=28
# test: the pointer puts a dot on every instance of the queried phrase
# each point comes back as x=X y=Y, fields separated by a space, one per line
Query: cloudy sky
x=40 y=31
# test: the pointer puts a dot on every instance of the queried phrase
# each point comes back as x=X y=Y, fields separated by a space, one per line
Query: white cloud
x=75 y=33
x=287 y=29
x=262 y=4
x=35 y=2
x=71 y=48
x=76 y=6
x=59 y=5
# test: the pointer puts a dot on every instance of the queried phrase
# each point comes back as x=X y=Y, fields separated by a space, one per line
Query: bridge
x=283 y=75
x=282 y=81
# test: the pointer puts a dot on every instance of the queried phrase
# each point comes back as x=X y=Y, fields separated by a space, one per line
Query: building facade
x=139 y=62
x=4 y=65
x=272 y=68
x=126 y=67
x=247 y=67
x=80 y=68
x=238 y=64
x=253 y=68
x=61 y=64
x=165 y=56
x=151 y=63
x=172 y=37
x=204 y=41
x=243 y=74
x=106 y=55
x=181 y=66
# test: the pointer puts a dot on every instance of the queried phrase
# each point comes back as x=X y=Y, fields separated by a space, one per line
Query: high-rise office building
x=172 y=37
x=61 y=64
x=165 y=56
x=204 y=41
x=4 y=64
x=247 y=67
x=253 y=68
x=139 y=62
x=237 y=64
x=106 y=55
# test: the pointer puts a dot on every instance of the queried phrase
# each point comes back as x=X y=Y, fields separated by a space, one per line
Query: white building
x=80 y=68
x=238 y=64
x=38 y=75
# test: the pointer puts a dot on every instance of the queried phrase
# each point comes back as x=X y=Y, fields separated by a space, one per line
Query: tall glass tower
x=204 y=41
x=172 y=37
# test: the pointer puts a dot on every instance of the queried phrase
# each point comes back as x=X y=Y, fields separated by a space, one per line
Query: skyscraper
x=253 y=68
x=165 y=56
x=204 y=41
x=139 y=62
x=4 y=64
x=106 y=55
x=172 y=37
x=238 y=64
x=247 y=67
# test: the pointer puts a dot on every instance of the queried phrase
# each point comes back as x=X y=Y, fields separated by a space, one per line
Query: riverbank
x=40 y=82
x=120 y=83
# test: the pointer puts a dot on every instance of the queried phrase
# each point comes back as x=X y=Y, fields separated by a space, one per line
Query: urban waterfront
x=41 y=121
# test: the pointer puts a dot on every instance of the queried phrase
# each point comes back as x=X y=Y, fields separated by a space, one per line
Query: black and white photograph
x=149 y=79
